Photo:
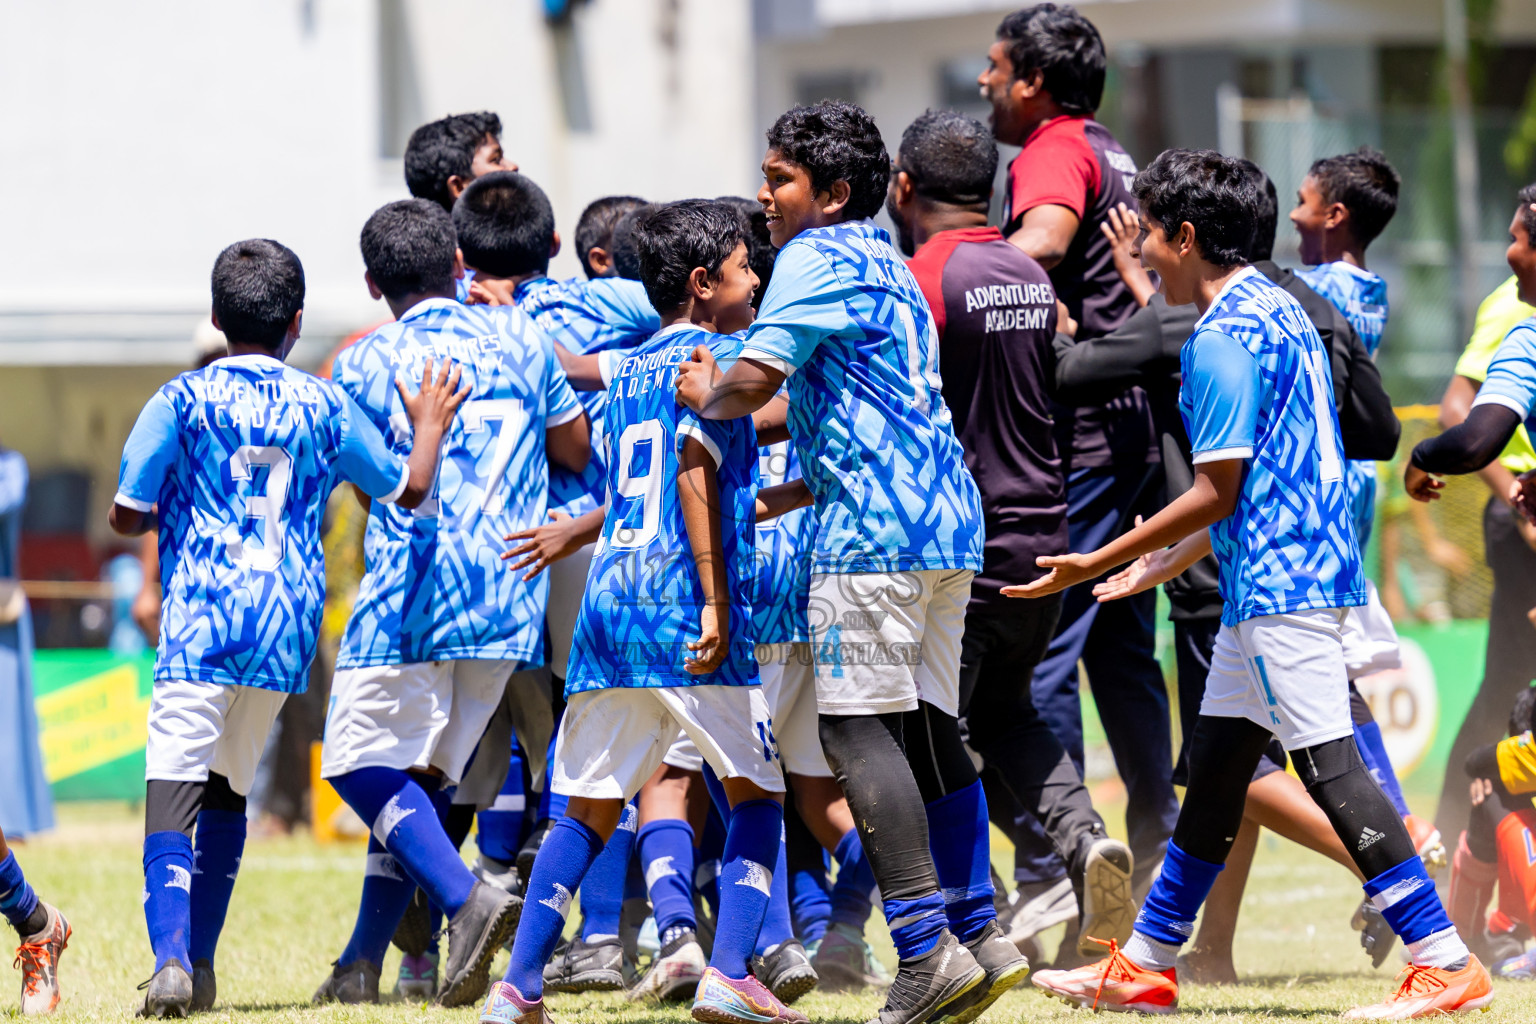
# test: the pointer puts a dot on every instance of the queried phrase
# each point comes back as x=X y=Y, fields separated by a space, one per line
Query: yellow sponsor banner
x=92 y=722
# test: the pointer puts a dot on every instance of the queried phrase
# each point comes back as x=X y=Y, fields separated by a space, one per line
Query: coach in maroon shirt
x=1045 y=77
x=995 y=313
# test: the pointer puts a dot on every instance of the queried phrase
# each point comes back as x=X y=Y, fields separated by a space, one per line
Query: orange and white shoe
x=1432 y=992
x=1114 y=983
x=38 y=958
x=1427 y=843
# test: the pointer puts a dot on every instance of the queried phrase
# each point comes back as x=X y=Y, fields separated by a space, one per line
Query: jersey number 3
x=265 y=504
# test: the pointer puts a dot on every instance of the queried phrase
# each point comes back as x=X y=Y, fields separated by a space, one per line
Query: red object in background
x=60 y=556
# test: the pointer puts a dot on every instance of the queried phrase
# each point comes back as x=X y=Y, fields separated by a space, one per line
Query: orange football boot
x=1432 y=992
x=1114 y=983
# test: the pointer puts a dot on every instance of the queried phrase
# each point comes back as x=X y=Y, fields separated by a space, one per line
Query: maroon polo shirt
x=995 y=312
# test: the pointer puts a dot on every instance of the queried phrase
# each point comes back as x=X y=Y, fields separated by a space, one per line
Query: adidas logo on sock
x=1369 y=837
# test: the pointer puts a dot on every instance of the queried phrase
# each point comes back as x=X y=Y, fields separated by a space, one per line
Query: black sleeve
x=1469 y=445
x=1368 y=426
x=1094 y=371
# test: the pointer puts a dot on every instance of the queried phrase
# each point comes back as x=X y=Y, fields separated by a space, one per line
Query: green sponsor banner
x=92 y=706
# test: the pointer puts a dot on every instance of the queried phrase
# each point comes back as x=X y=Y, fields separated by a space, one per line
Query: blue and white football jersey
x=643 y=597
x=436 y=587
x=1258 y=386
x=1511 y=380
x=785 y=546
x=1362 y=297
x=601 y=315
x=240 y=457
x=846 y=320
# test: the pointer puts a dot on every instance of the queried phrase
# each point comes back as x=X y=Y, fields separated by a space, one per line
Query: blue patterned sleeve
x=148 y=454
x=622 y=304
x=1511 y=380
x=365 y=459
x=804 y=305
x=1224 y=386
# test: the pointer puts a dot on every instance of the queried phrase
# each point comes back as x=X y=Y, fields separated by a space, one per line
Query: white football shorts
x=788 y=674
x=195 y=728
x=1370 y=639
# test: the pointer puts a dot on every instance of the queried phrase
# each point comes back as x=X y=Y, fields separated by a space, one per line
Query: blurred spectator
x=1510 y=543
x=26 y=805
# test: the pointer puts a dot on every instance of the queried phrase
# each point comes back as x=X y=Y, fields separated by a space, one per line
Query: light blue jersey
x=785 y=545
x=601 y=315
x=240 y=458
x=1511 y=380
x=1257 y=385
x=846 y=320
x=1362 y=297
x=436 y=587
x=643 y=597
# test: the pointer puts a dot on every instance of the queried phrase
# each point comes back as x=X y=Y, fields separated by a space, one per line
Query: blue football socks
x=853 y=892
x=216 y=856
x=602 y=890
x=666 y=853
x=567 y=854
x=915 y=924
x=17 y=900
x=405 y=819
x=1167 y=917
x=500 y=831
x=959 y=835
x=168 y=896
x=1373 y=751
x=810 y=903
x=753 y=843
x=777 y=928
x=1406 y=897
x=387 y=891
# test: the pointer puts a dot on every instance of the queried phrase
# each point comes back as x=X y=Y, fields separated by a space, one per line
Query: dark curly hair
x=671 y=240
x=1365 y=183
x=1064 y=46
x=1214 y=193
x=1526 y=198
x=440 y=149
x=836 y=141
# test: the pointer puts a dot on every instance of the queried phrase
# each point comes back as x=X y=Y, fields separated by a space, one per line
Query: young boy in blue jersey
x=1269 y=500
x=233 y=463
x=899 y=537
x=438 y=627
x=594 y=233
x=661 y=644
x=443 y=157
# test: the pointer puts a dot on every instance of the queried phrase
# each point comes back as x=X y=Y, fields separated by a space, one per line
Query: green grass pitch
x=294 y=904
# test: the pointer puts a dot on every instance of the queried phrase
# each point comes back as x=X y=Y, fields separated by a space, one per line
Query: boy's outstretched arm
x=698 y=495
x=559 y=538
x=431 y=410
x=745 y=388
x=1465 y=448
x=1211 y=499
x=1155 y=569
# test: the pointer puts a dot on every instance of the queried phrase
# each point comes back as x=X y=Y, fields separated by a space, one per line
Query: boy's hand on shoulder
x=1065 y=571
x=1420 y=485
x=696 y=378
x=709 y=649
x=439 y=398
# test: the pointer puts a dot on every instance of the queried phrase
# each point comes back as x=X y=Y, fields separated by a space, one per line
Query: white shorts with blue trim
x=613 y=740
x=1285 y=672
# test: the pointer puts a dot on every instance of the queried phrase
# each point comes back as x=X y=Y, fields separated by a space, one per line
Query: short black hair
x=594 y=228
x=1522 y=717
x=675 y=238
x=1266 y=216
x=505 y=225
x=441 y=149
x=408 y=248
x=836 y=141
x=1064 y=46
x=760 y=250
x=1365 y=183
x=258 y=286
x=1525 y=198
x=1210 y=191
x=626 y=259
x=951 y=158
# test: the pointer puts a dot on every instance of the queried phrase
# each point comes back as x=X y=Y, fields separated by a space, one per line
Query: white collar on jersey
x=425 y=305
x=677 y=328
x=249 y=359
